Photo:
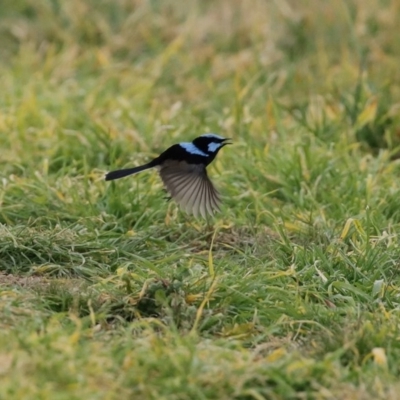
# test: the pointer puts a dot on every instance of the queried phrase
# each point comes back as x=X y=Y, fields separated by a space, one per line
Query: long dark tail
x=120 y=173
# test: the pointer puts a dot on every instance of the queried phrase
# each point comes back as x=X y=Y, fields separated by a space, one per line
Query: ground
x=108 y=291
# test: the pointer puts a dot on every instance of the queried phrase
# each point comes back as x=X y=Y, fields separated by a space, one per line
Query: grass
x=108 y=291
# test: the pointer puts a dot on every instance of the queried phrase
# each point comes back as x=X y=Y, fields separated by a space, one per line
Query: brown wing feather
x=190 y=187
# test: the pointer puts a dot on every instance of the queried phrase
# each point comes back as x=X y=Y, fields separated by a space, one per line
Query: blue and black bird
x=182 y=168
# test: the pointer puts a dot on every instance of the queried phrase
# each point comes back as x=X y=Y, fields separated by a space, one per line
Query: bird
x=182 y=168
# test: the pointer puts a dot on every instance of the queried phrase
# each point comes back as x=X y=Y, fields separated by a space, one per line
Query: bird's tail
x=120 y=173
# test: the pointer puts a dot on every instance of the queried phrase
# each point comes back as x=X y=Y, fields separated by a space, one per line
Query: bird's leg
x=167 y=197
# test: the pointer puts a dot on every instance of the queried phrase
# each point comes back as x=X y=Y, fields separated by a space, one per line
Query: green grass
x=107 y=291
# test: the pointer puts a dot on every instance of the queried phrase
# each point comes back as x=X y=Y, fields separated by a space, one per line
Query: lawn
x=108 y=291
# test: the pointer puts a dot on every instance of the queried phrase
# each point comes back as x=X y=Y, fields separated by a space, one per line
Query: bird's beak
x=224 y=144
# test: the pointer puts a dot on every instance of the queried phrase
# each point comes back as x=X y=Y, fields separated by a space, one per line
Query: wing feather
x=198 y=200
x=190 y=187
x=192 y=195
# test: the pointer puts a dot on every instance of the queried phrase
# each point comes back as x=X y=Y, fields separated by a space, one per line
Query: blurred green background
x=109 y=291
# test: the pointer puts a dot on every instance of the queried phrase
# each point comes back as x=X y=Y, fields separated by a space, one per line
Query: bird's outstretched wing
x=190 y=187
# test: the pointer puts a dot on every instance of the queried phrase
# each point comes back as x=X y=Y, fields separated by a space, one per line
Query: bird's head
x=210 y=143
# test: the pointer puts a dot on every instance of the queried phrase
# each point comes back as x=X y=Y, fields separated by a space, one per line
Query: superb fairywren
x=182 y=168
